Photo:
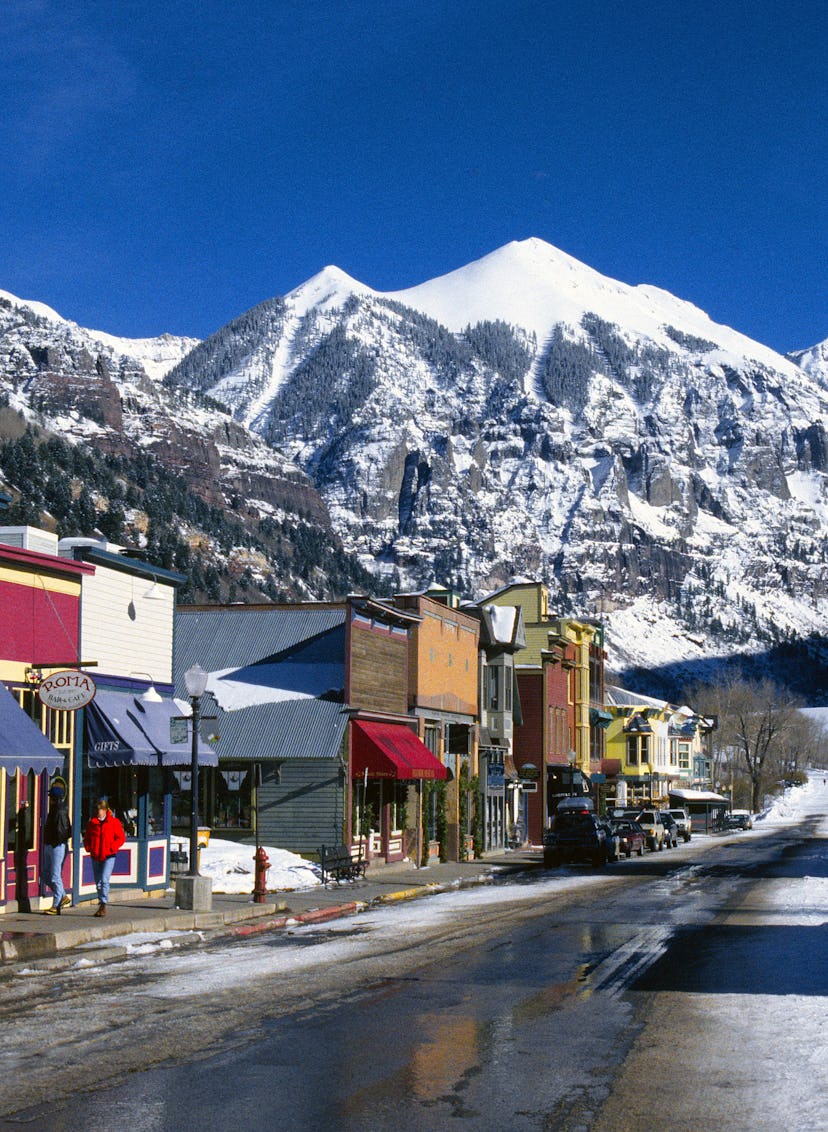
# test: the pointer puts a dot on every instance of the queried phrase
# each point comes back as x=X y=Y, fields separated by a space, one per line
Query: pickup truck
x=682 y=820
x=576 y=835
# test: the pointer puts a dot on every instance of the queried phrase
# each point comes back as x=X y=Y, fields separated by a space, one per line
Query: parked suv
x=576 y=835
x=682 y=820
x=650 y=821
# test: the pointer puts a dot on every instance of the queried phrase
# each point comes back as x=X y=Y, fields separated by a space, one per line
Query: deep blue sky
x=164 y=166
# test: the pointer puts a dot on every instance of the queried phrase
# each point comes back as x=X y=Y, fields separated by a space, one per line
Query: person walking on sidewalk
x=103 y=837
x=57 y=831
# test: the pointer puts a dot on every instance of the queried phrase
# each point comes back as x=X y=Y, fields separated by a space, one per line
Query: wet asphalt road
x=474 y=1009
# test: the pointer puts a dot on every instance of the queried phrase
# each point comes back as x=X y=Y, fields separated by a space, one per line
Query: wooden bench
x=338 y=863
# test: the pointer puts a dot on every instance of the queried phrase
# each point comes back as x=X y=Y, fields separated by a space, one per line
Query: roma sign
x=67 y=690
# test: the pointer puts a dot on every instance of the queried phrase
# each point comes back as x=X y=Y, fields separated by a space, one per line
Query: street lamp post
x=195 y=680
x=194 y=891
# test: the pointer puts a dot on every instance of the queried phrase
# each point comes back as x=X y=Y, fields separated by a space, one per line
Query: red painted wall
x=36 y=625
x=528 y=744
x=560 y=739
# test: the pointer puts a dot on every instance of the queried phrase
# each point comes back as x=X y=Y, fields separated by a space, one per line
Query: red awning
x=391 y=750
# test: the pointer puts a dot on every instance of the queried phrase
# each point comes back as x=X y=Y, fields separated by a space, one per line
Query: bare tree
x=759 y=726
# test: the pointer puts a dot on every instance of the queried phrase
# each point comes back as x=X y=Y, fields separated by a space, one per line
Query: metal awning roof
x=293 y=729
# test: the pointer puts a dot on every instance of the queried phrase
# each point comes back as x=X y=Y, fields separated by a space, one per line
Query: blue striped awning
x=23 y=746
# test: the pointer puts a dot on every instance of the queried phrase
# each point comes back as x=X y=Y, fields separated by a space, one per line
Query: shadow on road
x=742 y=960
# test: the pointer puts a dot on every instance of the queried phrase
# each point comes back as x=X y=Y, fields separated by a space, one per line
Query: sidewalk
x=35 y=936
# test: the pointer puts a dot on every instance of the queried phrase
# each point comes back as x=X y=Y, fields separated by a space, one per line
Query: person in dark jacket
x=57 y=832
x=103 y=837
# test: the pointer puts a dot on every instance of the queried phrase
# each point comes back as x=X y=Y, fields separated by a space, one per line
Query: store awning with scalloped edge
x=391 y=750
x=123 y=729
x=23 y=746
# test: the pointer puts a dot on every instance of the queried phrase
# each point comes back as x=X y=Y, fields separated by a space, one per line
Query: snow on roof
x=237 y=688
x=518 y=580
x=503 y=622
x=697 y=796
x=621 y=697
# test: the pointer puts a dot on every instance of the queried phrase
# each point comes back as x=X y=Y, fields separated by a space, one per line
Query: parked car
x=576 y=834
x=631 y=835
x=650 y=821
x=738 y=819
x=671 y=830
x=682 y=820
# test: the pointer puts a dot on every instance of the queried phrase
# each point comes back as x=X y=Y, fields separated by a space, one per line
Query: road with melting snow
x=557 y=1002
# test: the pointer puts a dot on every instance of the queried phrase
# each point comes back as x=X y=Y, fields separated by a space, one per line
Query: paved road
x=561 y=1004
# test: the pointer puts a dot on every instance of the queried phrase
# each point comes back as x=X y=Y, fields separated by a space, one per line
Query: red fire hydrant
x=260 y=881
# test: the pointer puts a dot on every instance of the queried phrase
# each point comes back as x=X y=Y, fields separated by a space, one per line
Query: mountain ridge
x=663 y=472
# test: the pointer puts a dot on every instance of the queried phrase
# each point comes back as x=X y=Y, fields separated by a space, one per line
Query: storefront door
x=21 y=839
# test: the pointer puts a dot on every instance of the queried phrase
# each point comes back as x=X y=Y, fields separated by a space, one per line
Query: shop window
x=233 y=802
x=225 y=797
x=10 y=825
x=121 y=786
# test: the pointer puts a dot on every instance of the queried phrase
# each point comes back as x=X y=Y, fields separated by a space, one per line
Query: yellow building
x=651 y=745
x=582 y=642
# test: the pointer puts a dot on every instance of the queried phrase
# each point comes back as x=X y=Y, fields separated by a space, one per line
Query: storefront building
x=136 y=744
x=39 y=634
x=443 y=678
x=651 y=747
x=315 y=743
x=560 y=676
x=501 y=639
x=276 y=687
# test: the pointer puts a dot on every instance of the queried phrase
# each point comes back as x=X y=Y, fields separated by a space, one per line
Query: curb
x=16 y=947
x=312 y=916
x=432 y=889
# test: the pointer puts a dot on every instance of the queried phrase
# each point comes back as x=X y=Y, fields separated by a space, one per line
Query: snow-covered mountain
x=107 y=394
x=527 y=416
x=814 y=361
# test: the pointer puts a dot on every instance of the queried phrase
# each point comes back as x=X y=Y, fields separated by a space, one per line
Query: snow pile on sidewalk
x=231 y=867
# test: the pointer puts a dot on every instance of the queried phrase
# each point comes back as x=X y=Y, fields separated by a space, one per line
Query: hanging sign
x=67 y=690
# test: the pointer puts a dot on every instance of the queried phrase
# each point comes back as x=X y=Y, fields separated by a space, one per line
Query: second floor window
x=493 y=699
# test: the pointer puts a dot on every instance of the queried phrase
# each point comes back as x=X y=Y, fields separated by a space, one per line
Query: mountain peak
x=330 y=287
x=39 y=309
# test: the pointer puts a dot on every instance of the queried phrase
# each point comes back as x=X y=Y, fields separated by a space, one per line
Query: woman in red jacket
x=102 y=839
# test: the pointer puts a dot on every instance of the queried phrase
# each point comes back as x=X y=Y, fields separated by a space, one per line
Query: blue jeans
x=53 y=858
x=102 y=871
